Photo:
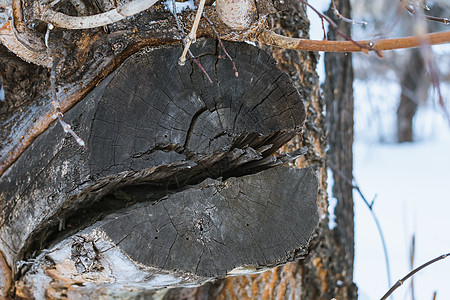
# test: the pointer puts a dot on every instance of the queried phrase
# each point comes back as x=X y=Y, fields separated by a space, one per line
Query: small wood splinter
x=66 y=127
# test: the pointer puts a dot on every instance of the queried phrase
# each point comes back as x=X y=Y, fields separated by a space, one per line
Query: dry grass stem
x=193 y=34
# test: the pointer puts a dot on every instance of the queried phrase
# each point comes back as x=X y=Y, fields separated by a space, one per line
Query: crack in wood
x=186 y=167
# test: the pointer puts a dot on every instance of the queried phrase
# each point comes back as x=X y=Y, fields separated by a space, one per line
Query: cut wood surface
x=218 y=227
x=152 y=130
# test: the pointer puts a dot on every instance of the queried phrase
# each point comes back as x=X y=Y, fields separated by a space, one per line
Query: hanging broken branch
x=58 y=114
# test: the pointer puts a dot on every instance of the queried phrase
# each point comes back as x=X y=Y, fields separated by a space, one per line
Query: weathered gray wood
x=86 y=58
x=207 y=231
x=258 y=220
x=150 y=122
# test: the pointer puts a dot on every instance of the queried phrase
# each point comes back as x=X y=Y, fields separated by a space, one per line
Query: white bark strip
x=236 y=14
x=69 y=22
x=10 y=40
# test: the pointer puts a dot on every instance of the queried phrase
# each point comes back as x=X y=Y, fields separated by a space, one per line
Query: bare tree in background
x=415 y=81
x=414 y=84
x=409 y=67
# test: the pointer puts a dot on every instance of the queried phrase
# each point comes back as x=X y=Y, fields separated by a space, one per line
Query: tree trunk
x=176 y=174
x=180 y=181
x=338 y=93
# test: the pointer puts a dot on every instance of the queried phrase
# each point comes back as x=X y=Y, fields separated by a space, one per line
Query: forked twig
x=401 y=281
x=346 y=20
x=174 y=12
x=58 y=115
x=363 y=47
x=374 y=216
x=236 y=73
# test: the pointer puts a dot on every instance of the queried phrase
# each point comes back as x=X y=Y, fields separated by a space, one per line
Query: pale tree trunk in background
x=415 y=80
x=327 y=271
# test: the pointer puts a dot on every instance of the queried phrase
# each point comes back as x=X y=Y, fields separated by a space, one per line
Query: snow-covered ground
x=411 y=183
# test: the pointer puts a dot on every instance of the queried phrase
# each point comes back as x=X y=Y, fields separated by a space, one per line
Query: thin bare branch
x=193 y=34
x=46 y=14
x=401 y=281
x=236 y=73
x=271 y=38
x=174 y=12
x=412 y=11
x=363 y=47
x=58 y=114
x=412 y=255
x=200 y=66
x=374 y=216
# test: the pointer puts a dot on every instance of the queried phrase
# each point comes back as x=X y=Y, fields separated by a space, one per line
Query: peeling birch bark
x=35 y=55
x=70 y=22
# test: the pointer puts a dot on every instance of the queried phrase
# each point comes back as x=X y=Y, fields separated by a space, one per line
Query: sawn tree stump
x=179 y=182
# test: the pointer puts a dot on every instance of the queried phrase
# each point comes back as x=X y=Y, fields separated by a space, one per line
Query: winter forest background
x=409 y=181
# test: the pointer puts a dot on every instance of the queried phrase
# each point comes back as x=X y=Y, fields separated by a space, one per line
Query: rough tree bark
x=338 y=93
